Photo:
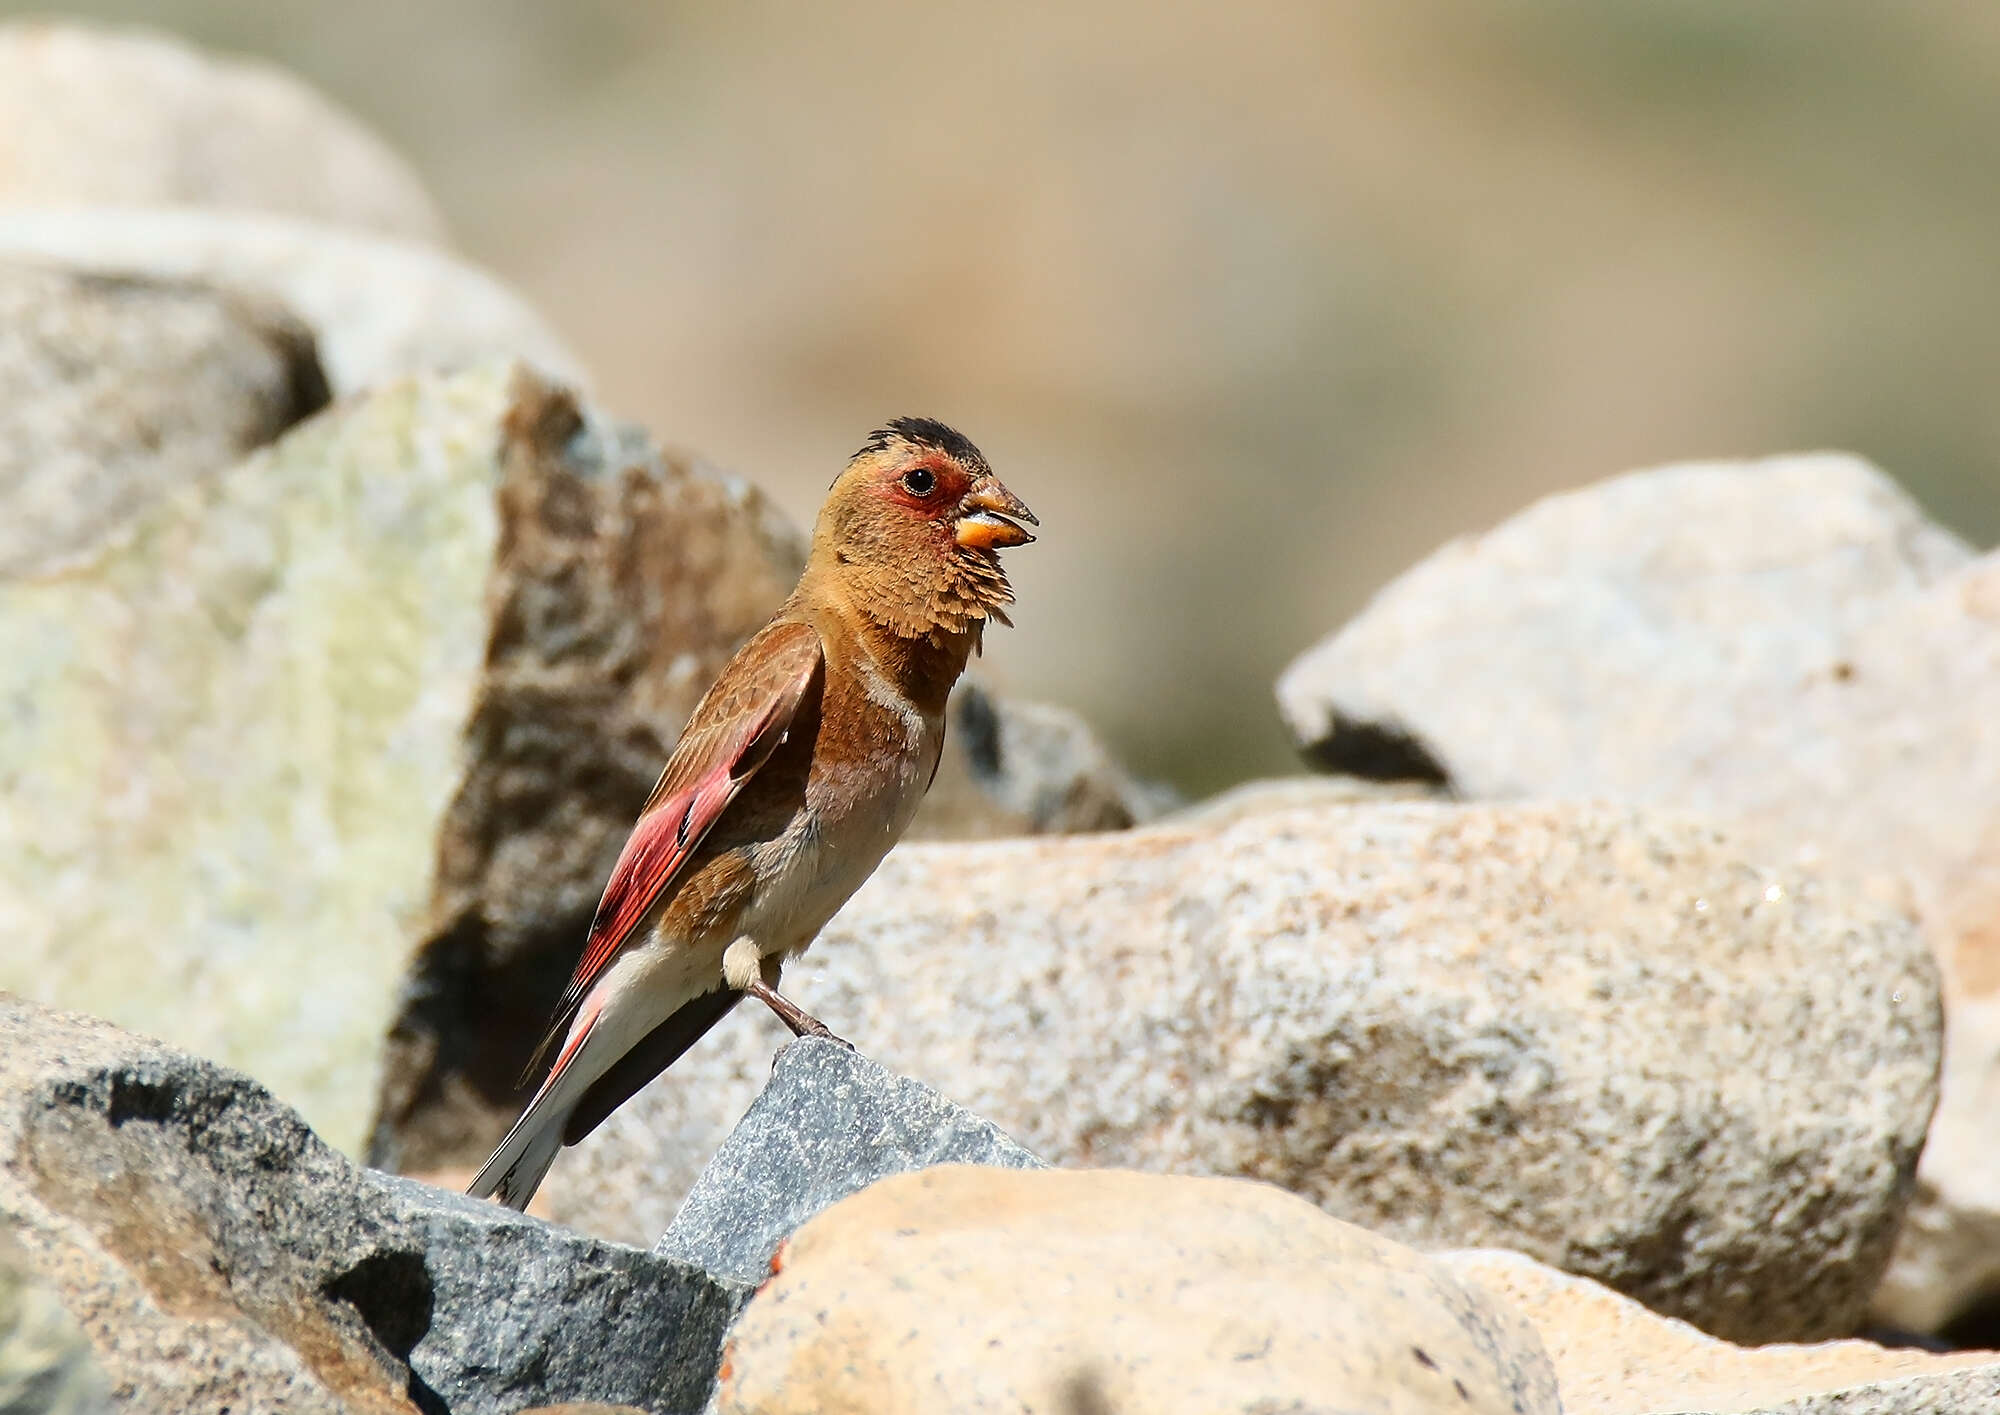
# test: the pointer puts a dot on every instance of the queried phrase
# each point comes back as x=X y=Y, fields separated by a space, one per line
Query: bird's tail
x=517 y=1167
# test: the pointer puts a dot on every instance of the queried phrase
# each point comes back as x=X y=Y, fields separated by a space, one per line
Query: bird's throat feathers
x=920 y=643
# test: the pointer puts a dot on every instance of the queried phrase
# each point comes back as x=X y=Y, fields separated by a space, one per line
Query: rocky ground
x=1612 y=1030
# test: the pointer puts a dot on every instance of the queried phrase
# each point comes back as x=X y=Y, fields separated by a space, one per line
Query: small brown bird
x=800 y=767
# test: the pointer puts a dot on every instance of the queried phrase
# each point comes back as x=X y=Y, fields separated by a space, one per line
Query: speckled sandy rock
x=380 y=308
x=1605 y=1037
x=987 y=1290
x=1789 y=645
x=92 y=114
x=1613 y=1357
x=113 y=391
x=232 y=734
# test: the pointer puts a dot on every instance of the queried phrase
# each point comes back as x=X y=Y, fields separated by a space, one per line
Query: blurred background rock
x=1256 y=303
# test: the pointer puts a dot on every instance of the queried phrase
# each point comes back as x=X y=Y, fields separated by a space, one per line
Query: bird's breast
x=869 y=772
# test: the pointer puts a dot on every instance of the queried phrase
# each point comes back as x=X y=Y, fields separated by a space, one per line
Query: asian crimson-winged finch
x=800 y=767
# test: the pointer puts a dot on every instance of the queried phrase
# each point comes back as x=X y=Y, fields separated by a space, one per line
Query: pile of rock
x=1586 y=1049
x=1594 y=1035
x=857 y=1243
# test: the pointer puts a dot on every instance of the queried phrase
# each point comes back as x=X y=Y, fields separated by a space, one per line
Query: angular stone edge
x=473 y=1257
x=829 y=1123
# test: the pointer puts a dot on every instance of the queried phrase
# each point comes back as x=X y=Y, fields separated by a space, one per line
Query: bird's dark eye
x=920 y=481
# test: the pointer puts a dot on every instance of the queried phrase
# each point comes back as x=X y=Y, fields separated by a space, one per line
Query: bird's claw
x=816 y=1028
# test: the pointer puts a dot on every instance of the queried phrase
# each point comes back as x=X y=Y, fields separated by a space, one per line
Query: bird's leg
x=750 y=971
x=802 y=1022
x=764 y=987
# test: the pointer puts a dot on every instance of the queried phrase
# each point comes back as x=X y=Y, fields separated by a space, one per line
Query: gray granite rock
x=215 y=1254
x=1975 y=1391
x=830 y=1123
x=524 y=1311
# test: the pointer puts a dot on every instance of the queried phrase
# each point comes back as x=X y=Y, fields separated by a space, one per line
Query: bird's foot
x=813 y=1027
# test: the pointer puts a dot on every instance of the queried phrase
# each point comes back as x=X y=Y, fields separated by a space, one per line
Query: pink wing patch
x=732 y=733
x=659 y=845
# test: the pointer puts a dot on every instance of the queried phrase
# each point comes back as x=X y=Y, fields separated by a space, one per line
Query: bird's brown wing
x=737 y=725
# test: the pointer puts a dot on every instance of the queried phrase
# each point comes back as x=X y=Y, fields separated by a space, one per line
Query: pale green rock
x=226 y=740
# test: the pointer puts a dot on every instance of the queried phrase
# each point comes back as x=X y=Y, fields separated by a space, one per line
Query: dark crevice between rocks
x=1977 y=1325
x=391 y=1291
x=1904 y=1339
x=307 y=391
x=1374 y=751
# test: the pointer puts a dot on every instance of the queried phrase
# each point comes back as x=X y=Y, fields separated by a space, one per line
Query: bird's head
x=913 y=528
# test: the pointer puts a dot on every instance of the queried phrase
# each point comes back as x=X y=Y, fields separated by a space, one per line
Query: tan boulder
x=1788 y=645
x=980 y=1289
x=1606 y=1037
x=94 y=115
x=1613 y=1357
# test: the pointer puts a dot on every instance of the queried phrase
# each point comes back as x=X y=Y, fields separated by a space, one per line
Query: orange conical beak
x=987 y=516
